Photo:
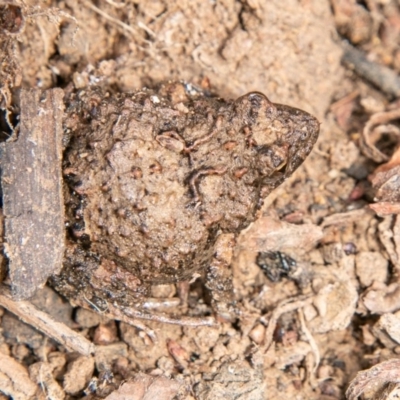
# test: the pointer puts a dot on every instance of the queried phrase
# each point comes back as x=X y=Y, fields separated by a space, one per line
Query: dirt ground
x=306 y=333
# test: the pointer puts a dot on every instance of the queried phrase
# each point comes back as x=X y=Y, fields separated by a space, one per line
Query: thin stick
x=284 y=307
x=130 y=315
x=108 y=17
x=383 y=77
x=311 y=340
x=41 y=321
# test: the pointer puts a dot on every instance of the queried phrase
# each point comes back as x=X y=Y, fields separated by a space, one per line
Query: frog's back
x=154 y=177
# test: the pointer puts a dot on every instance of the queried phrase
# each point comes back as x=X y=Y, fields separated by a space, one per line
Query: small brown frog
x=159 y=183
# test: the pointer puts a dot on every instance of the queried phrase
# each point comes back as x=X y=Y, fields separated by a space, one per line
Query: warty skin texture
x=160 y=182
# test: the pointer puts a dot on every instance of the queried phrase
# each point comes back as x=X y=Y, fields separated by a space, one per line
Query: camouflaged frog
x=158 y=183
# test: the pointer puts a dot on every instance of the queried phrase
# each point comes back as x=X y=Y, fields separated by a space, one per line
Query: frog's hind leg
x=219 y=279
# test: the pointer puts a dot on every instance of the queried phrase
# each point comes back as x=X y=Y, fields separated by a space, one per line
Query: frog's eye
x=258 y=100
x=255 y=102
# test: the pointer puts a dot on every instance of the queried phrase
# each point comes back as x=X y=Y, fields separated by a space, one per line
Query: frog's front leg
x=219 y=278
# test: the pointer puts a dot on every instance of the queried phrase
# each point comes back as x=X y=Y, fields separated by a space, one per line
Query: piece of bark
x=32 y=192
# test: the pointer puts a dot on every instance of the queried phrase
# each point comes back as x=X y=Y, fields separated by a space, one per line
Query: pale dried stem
x=43 y=322
x=284 y=307
x=127 y=313
x=311 y=340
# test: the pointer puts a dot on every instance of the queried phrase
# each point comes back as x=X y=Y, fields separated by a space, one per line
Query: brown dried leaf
x=386 y=180
x=375 y=377
x=375 y=130
x=269 y=233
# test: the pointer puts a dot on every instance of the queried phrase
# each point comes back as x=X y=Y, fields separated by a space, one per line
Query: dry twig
x=29 y=314
x=130 y=315
x=382 y=77
x=284 y=307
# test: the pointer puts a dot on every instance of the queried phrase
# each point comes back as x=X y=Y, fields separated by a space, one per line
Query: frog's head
x=281 y=136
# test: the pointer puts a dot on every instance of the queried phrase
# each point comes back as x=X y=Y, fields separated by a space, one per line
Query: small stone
x=257 y=334
x=105 y=334
x=78 y=375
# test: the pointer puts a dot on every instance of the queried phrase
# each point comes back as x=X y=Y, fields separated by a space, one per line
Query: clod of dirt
x=14 y=379
x=353 y=20
x=78 y=375
x=335 y=301
x=42 y=374
x=380 y=299
x=389 y=324
x=145 y=387
x=371 y=266
x=88 y=319
x=233 y=379
x=105 y=355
